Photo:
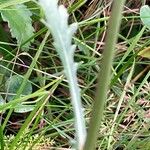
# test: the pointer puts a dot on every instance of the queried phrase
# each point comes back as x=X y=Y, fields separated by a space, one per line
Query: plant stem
x=77 y=106
x=56 y=18
x=104 y=75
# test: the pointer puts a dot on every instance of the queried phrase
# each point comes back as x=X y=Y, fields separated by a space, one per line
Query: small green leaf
x=20 y=108
x=145 y=15
x=145 y=53
x=13 y=84
x=19 y=22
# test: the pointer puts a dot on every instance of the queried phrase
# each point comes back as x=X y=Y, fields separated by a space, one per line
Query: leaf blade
x=145 y=15
x=12 y=85
x=20 y=23
x=145 y=53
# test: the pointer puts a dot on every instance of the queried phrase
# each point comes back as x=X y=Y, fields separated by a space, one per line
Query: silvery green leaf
x=56 y=19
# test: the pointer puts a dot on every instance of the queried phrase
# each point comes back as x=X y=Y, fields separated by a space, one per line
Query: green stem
x=104 y=76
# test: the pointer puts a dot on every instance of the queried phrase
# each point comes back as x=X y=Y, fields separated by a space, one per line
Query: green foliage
x=145 y=53
x=145 y=15
x=12 y=86
x=125 y=124
x=28 y=142
x=2 y=101
x=20 y=23
x=20 y=108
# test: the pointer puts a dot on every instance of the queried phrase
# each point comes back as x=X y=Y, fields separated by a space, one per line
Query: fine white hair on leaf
x=63 y=13
x=72 y=49
x=56 y=19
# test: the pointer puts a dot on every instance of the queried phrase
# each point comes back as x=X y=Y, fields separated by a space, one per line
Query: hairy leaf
x=19 y=22
x=56 y=19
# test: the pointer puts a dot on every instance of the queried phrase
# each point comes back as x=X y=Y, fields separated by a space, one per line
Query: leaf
x=2 y=101
x=35 y=10
x=145 y=53
x=20 y=108
x=13 y=84
x=145 y=15
x=56 y=19
x=19 y=22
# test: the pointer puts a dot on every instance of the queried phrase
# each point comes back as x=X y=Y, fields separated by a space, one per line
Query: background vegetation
x=43 y=117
